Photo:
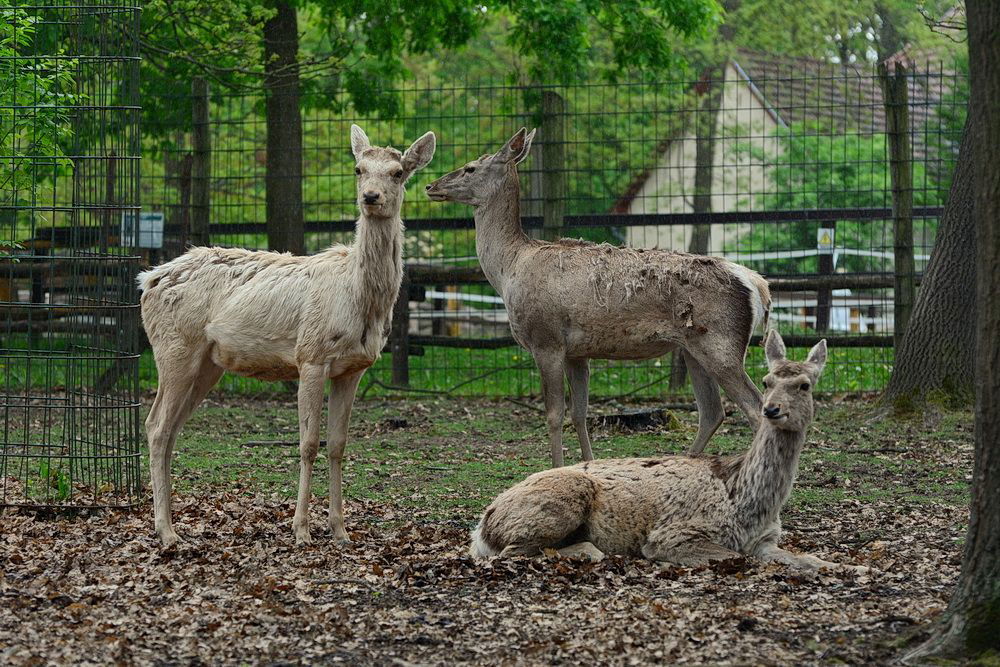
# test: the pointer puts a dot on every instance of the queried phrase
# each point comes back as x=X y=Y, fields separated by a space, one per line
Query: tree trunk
x=283 y=180
x=968 y=628
x=704 y=173
x=937 y=352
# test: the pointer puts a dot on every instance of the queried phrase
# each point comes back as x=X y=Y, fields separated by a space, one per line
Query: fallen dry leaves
x=98 y=590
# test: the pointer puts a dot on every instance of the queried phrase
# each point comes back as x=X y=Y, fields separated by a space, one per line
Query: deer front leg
x=685 y=543
x=342 y=391
x=312 y=378
x=551 y=366
x=769 y=551
x=578 y=371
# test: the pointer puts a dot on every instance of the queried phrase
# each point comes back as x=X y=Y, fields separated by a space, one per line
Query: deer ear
x=420 y=152
x=817 y=356
x=774 y=347
x=359 y=141
x=513 y=148
x=527 y=147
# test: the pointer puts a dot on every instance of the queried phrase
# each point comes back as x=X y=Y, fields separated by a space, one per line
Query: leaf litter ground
x=98 y=589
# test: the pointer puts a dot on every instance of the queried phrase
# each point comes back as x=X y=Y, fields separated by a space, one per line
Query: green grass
x=454 y=456
x=490 y=373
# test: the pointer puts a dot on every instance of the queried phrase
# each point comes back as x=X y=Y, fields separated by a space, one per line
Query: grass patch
x=488 y=373
x=452 y=457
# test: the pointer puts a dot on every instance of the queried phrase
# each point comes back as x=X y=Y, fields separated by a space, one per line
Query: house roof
x=834 y=96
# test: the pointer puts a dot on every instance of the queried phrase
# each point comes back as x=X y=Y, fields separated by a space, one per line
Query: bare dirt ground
x=98 y=589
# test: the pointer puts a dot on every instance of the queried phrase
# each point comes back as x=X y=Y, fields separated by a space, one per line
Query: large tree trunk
x=937 y=352
x=969 y=627
x=283 y=180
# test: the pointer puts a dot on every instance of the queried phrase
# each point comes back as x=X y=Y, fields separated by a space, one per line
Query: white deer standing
x=280 y=317
x=679 y=509
x=571 y=301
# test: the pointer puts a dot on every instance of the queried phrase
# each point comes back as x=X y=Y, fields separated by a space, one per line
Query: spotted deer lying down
x=685 y=510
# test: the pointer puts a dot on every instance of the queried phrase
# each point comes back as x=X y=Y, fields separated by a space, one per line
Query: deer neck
x=764 y=481
x=499 y=235
x=377 y=256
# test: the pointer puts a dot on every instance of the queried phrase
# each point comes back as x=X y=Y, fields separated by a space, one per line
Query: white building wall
x=743 y=129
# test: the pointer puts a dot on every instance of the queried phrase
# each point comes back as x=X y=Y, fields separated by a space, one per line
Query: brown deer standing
x=281 y=317
x=571 y=301
x=679 y=509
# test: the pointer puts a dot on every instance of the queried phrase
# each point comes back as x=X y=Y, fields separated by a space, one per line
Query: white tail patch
x=145 y=278
x=760 y=296
x=479 y=548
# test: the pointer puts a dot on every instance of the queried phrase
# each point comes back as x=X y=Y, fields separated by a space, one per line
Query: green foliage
x=55 y=482
x=558 y=36
x=857 y=31
x=355 y=53
x=815 y=169
x=35 y=93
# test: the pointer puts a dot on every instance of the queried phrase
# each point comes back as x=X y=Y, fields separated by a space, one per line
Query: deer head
x=382 y=172
x=475 y=182
x=788 y=385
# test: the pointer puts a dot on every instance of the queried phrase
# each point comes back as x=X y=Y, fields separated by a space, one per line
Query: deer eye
x=469 y=170
x=357 y=170
x=398 y=174
x=766 y=384
x=804 y=386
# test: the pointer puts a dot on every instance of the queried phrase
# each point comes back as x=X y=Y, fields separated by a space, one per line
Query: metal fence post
x=824 y=295
x=895 y=96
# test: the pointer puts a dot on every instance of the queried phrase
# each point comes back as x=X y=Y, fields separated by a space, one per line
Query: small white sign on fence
x=150 y=234
x=824 y=240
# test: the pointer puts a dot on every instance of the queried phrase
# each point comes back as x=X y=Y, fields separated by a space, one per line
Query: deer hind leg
x=182 y=386
x=728 y=371
x=312 y=379
x=686 y=543
x=706 y=395
x=548 y=510
x=342 y=392
x=551 y=368
x=578 y=372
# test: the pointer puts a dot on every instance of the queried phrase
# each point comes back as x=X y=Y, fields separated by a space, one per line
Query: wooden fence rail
x=419 y=276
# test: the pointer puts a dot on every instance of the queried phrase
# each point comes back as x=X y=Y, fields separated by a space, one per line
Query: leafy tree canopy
x=360 y=48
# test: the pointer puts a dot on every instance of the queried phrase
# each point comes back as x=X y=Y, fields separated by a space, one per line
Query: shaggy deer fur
x=679 y=509
x=572 y=301
x=281 y=317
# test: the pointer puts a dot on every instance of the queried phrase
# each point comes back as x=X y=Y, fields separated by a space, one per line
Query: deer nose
x=772 y=411
x=370 y=197
x=428 y=186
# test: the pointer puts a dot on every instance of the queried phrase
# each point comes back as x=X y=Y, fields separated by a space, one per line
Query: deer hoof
x=169 y=538
x=340 y=536
x=584 y=549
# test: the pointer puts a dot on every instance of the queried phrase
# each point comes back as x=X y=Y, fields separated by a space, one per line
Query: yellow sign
x=824 y=240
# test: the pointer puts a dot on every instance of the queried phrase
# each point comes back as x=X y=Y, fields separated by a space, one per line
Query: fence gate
x=69 y=226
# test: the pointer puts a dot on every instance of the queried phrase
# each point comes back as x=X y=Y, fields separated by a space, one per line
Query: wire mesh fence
x=780 y=164
x=69 y=194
